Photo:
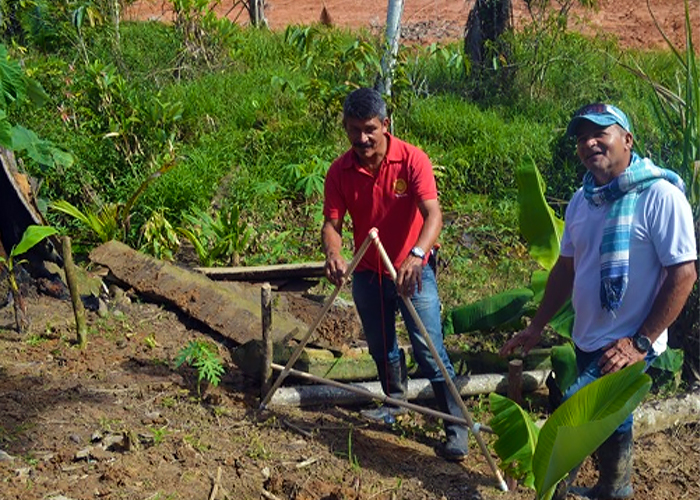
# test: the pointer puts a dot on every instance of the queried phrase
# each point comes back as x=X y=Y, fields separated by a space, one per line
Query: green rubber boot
x=615 y=457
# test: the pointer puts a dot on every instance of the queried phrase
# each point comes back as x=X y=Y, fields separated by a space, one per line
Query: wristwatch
x=641 y=343
x=418 y=252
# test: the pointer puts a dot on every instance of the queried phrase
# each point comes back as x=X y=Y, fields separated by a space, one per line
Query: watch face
x=641 y=343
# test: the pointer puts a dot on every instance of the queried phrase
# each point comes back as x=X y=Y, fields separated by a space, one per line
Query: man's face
x=604 y=151
x=366 y=137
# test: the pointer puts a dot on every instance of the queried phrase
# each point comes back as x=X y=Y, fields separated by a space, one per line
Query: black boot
x=456 y=446
x=394 y=380
x=615 y=469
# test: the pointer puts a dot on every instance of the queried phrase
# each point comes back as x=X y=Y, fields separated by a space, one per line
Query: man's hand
x=335 y=269
x=619 y=354
x=524 y=340
x=410 y=276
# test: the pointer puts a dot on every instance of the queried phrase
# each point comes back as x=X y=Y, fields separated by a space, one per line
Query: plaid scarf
x=622 y=192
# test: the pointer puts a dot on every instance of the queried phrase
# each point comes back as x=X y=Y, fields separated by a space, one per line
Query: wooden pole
x=326 y=307
x=78 y=308
x=448 y=380
x=266 y=305
x=515 y=380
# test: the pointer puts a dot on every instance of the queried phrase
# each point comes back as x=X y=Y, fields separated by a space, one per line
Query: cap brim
x=600 y=120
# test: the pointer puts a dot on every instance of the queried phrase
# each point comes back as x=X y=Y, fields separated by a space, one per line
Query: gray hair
x=365 y=104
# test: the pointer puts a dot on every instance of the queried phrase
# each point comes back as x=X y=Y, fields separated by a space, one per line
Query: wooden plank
x=232 y=309
x=264 y=273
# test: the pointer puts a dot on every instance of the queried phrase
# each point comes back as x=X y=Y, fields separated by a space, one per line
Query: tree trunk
x=487 y=21
x=256 y=9
x=393 y=36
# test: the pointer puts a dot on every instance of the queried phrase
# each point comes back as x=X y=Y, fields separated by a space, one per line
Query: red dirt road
x=444 y=20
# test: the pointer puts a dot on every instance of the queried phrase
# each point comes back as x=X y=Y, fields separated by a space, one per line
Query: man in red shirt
x=389 y=184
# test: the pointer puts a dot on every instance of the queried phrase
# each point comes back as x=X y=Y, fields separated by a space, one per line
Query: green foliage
x=538 y=224
x=517 y=438
x=31 y=237
x=564 y=365
x=306 y=178
x=488 y=313
x=220 y=238
x=112 y=220
x=542 y=229
x=331 y=66
x=204 y=33
x=679 y=110
x=104 y=221
x=158 y=237
x=479 y=150
x=580 y=425
x=576 y=429
x=205 y=359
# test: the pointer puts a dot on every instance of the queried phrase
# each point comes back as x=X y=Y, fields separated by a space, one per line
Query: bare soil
x=427 y=21
x=117 y=420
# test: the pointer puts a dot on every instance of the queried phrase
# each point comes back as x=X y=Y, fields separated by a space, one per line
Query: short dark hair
x=365 y=104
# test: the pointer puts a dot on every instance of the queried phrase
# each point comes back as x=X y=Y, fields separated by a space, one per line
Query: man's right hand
x=525 y=340
x=336 y=268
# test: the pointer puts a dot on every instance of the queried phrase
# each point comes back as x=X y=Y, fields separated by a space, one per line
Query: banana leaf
x=538 y=223
x=580 y=425
x=564 y=365
x=32 y=236
x=563 y=320
x=487 y=313
x=517 y=438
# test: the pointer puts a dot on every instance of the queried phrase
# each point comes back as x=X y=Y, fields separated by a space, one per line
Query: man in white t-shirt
x=627 y=261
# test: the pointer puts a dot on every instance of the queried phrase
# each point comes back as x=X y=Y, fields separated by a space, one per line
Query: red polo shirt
x=387 y=201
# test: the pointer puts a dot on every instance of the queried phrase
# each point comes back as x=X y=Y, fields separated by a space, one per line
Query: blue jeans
x=377 y=301
x=589 y=371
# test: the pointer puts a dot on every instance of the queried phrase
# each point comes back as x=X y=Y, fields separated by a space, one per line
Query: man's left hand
x=619 y=354
x=410 y=276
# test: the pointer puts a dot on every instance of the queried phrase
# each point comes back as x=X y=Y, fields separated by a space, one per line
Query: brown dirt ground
x=118 y=421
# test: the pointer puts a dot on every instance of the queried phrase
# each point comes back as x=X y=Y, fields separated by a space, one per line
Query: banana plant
x=540 y=458
x=32 y=236
x=542 y=229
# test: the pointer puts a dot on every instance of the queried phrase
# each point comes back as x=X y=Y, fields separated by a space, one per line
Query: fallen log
x=649 y=418
x=264 y=273
x=418 y=389
x=657 y=416
x=232 y=310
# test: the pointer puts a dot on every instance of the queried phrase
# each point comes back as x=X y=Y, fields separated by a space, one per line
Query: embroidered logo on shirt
x=400 y=187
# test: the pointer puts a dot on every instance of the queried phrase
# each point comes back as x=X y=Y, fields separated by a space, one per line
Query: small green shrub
x=205 y=359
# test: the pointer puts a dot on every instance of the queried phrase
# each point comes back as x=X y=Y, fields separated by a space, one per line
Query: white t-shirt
x=662 y=235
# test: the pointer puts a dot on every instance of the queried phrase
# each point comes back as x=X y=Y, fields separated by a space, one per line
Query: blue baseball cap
x=600 y=114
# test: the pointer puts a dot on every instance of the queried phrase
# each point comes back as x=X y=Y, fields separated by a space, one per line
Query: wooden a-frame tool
x=373 y=237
